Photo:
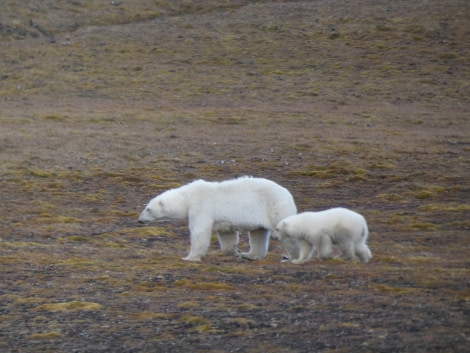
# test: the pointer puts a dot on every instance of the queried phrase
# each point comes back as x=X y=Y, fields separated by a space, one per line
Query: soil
x=104 y=105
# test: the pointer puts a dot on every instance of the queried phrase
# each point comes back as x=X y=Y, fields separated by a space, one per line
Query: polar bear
x=322 y=230
x=245 y=204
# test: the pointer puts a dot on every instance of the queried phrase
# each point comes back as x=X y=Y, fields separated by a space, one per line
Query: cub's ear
x=280 y=226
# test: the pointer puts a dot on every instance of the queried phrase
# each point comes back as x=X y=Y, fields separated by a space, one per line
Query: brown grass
x=358 y=104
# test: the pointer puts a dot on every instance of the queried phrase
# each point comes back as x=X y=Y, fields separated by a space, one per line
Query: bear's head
x=169 y=205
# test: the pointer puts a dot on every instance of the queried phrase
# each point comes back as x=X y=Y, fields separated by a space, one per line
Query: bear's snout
x=143 y=219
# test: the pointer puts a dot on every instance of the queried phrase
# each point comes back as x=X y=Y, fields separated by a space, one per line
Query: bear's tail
x=362 y=250
x=365 y=232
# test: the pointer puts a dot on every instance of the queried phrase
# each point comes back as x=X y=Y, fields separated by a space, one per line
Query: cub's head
x=280 y=230
x=169 y=205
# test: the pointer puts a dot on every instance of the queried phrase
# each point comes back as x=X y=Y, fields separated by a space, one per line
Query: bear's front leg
x=199 y=244
x=201 y=230
x=259 y=242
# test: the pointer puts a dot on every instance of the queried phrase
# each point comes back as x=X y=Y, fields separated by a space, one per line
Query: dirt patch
x=362 y=105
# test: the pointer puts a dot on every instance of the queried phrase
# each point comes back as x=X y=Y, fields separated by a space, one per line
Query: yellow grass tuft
x=188 y=305
x=205 y=286
x=384 y=288
x=247 y=306
x=193 y=319
x=452 y=207
x=46 y=336
x=40 y=173
x=345 y=170
x=424 y=226
x=69 y=306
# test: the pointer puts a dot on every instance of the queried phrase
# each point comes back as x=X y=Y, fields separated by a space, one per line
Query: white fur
x=322 y=230
x=245 y=204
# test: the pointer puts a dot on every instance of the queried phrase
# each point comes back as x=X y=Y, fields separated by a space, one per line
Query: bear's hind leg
x=228 y=242
x=347 y=249
x=363 y=252
x=259 y=242
x=325 y=247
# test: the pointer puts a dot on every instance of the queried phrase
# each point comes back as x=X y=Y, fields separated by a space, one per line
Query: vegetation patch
x=204 y=286
x=347 y=171
x=52 y=335
x=445 y=207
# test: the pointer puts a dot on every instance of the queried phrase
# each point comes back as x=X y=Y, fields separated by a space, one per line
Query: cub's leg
x=325 y=247
x=292 y=247
x=305 y=251
x=259 y=242
x=228 y=242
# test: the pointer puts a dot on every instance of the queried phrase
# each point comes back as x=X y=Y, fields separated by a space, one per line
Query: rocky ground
x=358 y=104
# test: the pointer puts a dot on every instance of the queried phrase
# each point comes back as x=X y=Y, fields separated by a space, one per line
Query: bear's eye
x=147 y=210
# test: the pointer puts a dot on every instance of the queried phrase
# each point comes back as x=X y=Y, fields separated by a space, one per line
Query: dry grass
x=362 y=105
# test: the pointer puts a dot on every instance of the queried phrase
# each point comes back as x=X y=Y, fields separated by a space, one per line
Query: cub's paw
x=250 y=256
x=238 y=254
x=231 y=251
x=192 y=258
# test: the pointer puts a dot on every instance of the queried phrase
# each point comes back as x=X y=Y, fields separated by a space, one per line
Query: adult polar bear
x=246 y=204
x=321 y=230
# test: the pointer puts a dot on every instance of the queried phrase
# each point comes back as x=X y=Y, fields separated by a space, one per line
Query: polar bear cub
x=322 y=230
x=246 y=204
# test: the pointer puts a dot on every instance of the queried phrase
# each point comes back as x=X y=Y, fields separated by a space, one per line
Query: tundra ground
x=359 y=104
